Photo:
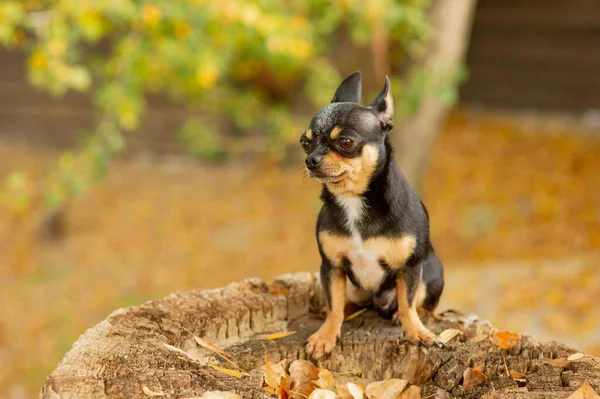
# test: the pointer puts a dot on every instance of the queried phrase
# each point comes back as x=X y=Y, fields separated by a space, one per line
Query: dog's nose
x=313 y=160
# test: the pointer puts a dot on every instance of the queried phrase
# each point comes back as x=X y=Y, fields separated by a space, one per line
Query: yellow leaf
x=585 y=391
x=449 y=334
x=151 y=14
x=148 y=392
x=575 y=356
x=473 y=378
x=325 y=380
x=355 y=314
x=279 y=335
x=38 y=60
x=208 y=345
x=386 y=389
x=505 y=339
x=206 y=75
x=302 y=375
x=233 y=373
x=56 y=47
x=176 y=349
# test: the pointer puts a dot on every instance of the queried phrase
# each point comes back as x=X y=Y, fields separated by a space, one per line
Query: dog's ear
x=384 y=105
x=349 y=91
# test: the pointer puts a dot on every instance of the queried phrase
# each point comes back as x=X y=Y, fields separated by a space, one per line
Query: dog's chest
x=362 y=255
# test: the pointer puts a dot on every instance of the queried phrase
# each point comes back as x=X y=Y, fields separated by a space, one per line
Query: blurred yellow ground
x=509 y=205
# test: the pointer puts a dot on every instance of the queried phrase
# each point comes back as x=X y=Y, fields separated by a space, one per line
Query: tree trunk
x=126 y=352
x=414 y=138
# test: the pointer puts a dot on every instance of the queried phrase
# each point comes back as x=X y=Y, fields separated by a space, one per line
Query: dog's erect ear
x=349 y=91
x=384 y=105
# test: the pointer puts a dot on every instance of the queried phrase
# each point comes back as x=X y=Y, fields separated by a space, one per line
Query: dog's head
x=344 y=143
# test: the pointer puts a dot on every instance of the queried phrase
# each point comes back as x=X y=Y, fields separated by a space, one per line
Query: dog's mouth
x=321 y=178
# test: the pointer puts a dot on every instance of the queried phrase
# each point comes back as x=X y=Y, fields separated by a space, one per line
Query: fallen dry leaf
x=351 y=391
x=325 y=380
x=386 y=389
x=449 y=334
x=148 y=392
x=278 y=335
x=233 y=373
x=220 y=395
x=473 y=378
x=585 y=391
x=504 y=339
x=516 y=375
x=208 y=345
x=323 y=394
x=303 y=375
x=412 y=392
x=355 y=314
x=275 y=376
x=189 y=355
x=575 y=356
x=558 y=362
x=356 y=390
x=342 y=391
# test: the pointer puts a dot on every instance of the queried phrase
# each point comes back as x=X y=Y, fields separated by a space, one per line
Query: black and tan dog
x=373 y=229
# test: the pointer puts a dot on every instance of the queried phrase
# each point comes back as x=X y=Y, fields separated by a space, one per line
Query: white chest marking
x=364 y=263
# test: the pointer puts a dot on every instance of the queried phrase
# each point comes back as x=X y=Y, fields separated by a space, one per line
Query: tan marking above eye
x=335 y=132
x=309 y=134
x=394 y=251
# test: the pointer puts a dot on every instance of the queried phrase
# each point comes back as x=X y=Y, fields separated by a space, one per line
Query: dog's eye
x=345 y=142
x=304 y=143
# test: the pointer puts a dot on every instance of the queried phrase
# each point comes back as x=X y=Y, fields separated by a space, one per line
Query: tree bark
x=414 y=137
x=126 y=352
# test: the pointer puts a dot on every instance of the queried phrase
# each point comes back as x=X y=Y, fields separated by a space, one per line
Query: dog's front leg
x=323 y=341
x=407 y=282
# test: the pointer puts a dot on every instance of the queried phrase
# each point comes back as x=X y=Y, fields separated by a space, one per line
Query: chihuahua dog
x=373 y=229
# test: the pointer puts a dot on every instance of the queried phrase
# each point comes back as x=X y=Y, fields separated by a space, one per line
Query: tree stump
x=127 y=351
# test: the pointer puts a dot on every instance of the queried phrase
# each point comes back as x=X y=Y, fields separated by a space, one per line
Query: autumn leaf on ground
x=277 y=335
x=351 y=391
x=208 y=345
x=449 y=334
x=355 y=314
x=219 y=395
x=558 y=362
x=148 y=392
x=575 y=356
x=386 y=389
x=473 y=378
x=233 y=373
x=325 y=380
x=275 y=377
x=413 y=392
x=516 y=375
x=303 y=375
x=189 y=355
x=504 y=339
x=585 y=391
x=323 y=394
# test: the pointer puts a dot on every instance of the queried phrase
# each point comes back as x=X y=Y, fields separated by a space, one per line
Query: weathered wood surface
x=126 y=351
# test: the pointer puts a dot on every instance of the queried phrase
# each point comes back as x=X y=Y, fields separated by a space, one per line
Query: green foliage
x=221 y=57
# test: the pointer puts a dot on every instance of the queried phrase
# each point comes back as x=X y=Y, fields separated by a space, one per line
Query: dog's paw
x=416 y=333
x=424 y=336
x=321 y=343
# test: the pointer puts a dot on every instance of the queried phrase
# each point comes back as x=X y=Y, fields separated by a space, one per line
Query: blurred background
x=151 y=146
